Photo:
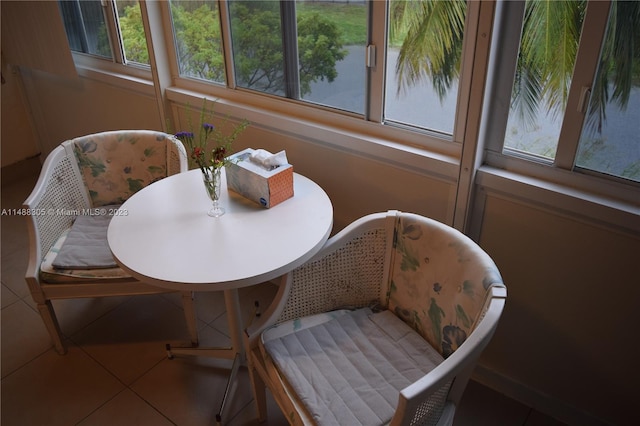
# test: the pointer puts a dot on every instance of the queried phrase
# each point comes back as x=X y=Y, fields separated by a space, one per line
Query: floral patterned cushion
x=438 y=284
x=115 y=165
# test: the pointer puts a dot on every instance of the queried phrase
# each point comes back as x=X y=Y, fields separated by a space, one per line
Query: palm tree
x=432 y=43
x=617 y=67
x=432 y=48
x=550 y=36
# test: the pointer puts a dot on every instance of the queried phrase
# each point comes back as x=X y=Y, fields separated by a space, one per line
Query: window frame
x=408 y=147
x=116 y=65
x=562 y=170
x=378 y=12
x=474 y=15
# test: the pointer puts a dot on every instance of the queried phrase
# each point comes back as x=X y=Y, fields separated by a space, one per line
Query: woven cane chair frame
x=353 y=270
x=59 y=193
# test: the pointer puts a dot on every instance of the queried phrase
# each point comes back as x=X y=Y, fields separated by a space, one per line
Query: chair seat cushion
x=50 y=274
x=86 y=244
x=348 y=367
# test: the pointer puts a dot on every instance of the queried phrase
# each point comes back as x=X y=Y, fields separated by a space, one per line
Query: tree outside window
x=198 y=39
x=134 y=40
x=547 y=56
x=610 y=141
x=423 y=64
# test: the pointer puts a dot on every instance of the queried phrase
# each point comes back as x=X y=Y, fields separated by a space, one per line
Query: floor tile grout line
x=526 y=419
x=91 y=413
x=27 y=363
x=149 y=403
x=37 y=355
x=125 y=385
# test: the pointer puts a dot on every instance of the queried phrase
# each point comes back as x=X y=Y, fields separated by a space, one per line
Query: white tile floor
x=116 y=371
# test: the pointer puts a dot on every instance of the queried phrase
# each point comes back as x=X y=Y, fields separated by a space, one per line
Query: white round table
x=163 y=236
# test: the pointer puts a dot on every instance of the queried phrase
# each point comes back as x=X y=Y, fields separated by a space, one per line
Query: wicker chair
x=425 y=277
x=82 y=176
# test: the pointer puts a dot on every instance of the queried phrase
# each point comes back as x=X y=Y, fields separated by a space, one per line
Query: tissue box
x=266 y=187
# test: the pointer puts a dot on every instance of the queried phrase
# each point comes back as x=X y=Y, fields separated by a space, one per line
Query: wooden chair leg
x=189 y=306
x=259 y=392
x=258 y=385
x=51 y=323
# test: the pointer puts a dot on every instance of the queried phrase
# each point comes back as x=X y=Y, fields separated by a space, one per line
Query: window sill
x=345 y=133
x=121 y=76
x=598 y=209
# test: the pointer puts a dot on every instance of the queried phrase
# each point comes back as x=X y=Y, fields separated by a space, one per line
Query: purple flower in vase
x=184 y=136
x=208 y=127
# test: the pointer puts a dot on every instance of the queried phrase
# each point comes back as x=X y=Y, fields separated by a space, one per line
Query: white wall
x=357 y=185
x=18 y=135
x=65 y=107
x=570 y=323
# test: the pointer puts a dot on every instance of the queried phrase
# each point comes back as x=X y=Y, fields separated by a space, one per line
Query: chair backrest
x=115 y=165
x=62 y=188
x=322 y=285
x=439 y=281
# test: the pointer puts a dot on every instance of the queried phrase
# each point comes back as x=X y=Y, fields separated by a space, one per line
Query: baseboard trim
x=20 y=170
x=542 y=402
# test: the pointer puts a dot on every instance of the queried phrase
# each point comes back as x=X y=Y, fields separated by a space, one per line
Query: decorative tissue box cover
x=266 y=187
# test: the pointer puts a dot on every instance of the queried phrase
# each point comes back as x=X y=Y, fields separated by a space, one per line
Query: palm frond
x=551 y=32
x=550 y=45
x=597 y=112
x=526 y=97
x=626 y=35
x=616 y=68
x=432 y=47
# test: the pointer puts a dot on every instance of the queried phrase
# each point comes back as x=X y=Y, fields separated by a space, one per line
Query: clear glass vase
x=212 y=178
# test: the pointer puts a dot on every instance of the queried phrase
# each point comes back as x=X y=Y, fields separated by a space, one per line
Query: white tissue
x=268 y=160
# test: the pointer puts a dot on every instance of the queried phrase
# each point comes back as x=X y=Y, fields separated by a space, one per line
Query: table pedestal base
x=235 y=352
x=218 y=353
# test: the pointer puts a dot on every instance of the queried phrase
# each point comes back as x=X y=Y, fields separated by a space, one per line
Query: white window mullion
x=476 y=45
x=158 y=56
x=227 y=46
x=113 y=30
x=471 y=28
x=502 y=68
x=377 y=44
x=594 y=28
x=290 y=45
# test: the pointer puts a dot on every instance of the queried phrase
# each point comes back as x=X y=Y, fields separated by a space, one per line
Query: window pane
x=331 y=53
x=196 y=28
x=85 y=26
x=610 y=141
x=134 y=40
x=548 y=47
x=258 y=54
x=423 y=63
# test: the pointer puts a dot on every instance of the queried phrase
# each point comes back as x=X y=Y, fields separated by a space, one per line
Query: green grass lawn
x=350 y=17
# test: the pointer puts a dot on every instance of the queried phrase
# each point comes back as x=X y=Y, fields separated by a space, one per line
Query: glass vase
x=212 y=179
